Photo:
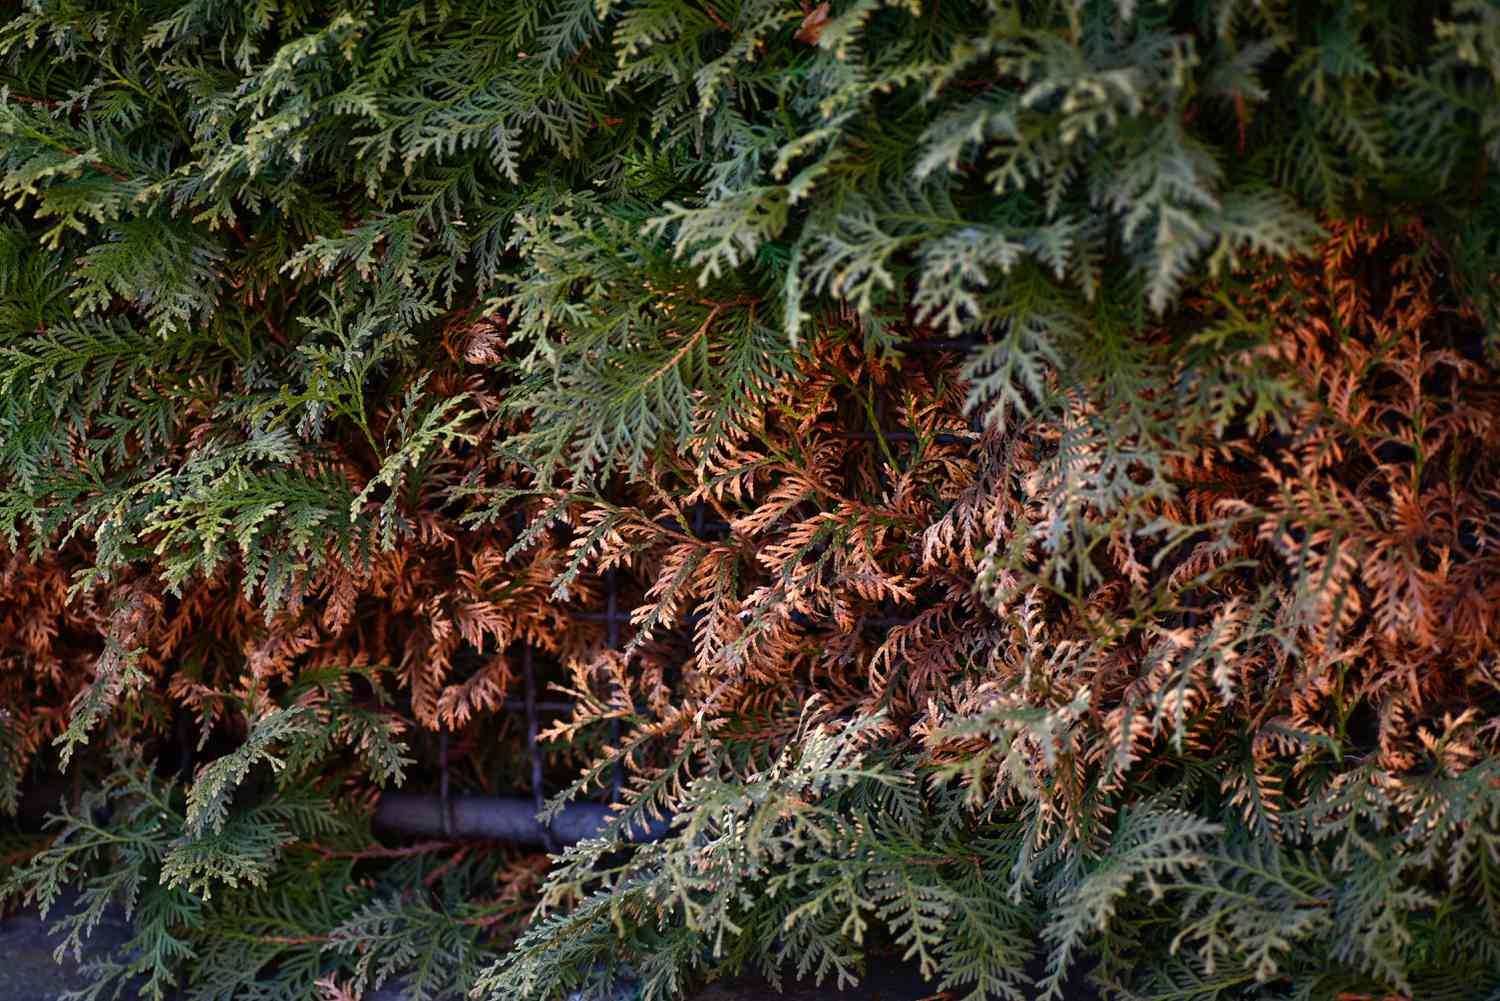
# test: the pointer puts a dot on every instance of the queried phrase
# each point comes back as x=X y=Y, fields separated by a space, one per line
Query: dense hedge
x=1051 y=450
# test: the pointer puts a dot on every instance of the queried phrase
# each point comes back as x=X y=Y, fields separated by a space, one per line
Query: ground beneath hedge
x=27 y=970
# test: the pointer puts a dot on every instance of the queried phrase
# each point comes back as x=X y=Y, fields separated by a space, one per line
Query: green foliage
x=798 y=867
x=682 y=192
x=275 y=897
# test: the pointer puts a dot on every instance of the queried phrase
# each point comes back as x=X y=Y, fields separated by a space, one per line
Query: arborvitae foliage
x=1050 y=450
x=1220 y=717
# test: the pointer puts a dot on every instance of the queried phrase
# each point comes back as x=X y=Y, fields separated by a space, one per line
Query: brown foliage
x=1177 y=568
